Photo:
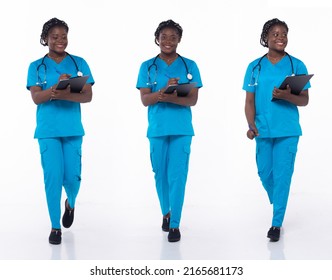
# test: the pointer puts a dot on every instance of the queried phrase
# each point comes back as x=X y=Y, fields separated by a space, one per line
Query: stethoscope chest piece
x=189 y=76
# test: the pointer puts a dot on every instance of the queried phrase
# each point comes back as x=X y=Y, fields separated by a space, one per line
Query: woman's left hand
x=60 y=93
x=281 y=93
x=167 y=97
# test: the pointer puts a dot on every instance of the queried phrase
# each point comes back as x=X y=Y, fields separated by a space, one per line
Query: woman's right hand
x=252 y=132
x=172 y=81
x=64 y=77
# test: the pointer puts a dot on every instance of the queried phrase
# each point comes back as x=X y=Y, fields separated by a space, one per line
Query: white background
x=223 y=190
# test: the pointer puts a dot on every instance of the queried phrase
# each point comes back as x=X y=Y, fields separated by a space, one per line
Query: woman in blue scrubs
x=274 y=124
x=170 y=128
x=59 y=128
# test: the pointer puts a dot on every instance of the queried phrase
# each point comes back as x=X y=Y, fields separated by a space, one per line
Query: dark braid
x=48 y=26
x=267 y=27
x=167 y=24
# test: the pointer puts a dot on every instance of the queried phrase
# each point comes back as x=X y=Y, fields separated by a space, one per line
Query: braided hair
x=48 y=26
x=267 y=27
x=167 y=24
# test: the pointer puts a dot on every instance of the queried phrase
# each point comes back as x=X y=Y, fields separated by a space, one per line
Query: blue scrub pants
x=275 y=159
x=170 y=159
x=61 y=162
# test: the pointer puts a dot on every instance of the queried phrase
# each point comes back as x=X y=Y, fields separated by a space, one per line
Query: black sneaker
x=174 y=235
x=68 y=216
x=274 y=234
x=166 y=221
x=55 y=236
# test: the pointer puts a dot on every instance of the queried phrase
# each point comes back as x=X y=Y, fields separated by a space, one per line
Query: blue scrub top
x=57 y=118
x=274 y=118
x=167 y=118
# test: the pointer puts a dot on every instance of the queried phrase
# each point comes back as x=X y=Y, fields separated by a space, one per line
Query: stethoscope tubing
x=258 y=65
x=189 y=76
x=42 y=64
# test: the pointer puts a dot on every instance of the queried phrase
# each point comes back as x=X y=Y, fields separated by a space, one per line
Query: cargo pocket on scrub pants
x=78 y=168
x=186 y=150
x=79 y=161
x=258 y=161
x=42 y=150
x=292 y=155
x=154 y=168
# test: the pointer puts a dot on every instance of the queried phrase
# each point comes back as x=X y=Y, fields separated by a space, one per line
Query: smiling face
x=57 y=40
x=277 y=38
x=168 y=40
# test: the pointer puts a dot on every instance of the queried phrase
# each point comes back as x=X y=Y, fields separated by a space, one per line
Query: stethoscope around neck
x=189 y=75
x=41 y=82
x=254 y=81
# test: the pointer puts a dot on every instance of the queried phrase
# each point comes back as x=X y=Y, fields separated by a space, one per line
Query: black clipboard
x=296 y=83
x=76 y=83
x=181 y=89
